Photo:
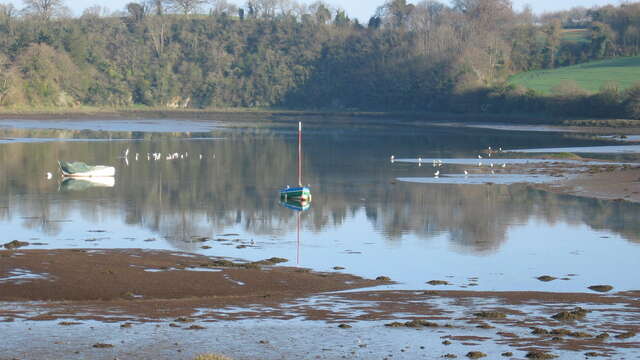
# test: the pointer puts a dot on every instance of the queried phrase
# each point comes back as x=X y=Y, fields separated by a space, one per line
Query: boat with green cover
x=297 y=194
x=80 y=169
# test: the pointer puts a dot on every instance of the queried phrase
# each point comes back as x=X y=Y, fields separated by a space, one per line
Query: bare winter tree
x=219 y=7
x=96 y=11
x=44 y=9
x=154 y=7
x=262 y=8
x=187 y=6
x=8 y=14
x=321 y=11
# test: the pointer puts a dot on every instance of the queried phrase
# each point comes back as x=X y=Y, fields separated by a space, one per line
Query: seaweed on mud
x=394 y=324
x=446 y=342
x=345 y=326
x=437 y=282
x=535 y=354
x=476 y=355
x=383 y=278
x=195 y=327
x=493 y=315
x=211 y=357
x=69 y=323
x=603 y=336
x=539 y=331
x=15 y=244
x=485 y=326
x=420 y=323
x=580 y=334
x=251 y=265
x=561 y=332
x=184 y=320
x=199 y=239
x=223 y=263
x=102 y=346
x=626 y=335
x=601 y=288
x=507 y=354
x=546 y=278
x=270 y=261
x=412 y=324
x=576 y=314
x=594 y=354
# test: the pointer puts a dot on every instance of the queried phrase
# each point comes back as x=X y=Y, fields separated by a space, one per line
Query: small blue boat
x=299 y=193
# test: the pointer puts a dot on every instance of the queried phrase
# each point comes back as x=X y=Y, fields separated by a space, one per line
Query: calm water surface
x=369 y=215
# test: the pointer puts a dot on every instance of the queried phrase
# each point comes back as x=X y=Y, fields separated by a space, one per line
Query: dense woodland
x=426 y=56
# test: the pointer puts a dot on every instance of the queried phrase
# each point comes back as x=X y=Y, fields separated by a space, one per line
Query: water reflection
x=234 y=183
x=75 y=184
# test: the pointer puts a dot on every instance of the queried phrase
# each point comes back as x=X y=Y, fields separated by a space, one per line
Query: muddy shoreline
x=80 y=289
x=463 y=321
x=130 y=274
x=600 y=126
x=621 y=185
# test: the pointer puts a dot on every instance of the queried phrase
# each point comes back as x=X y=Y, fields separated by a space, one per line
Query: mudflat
x=128 y=274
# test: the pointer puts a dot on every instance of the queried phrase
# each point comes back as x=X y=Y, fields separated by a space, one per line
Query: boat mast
x=299 y=153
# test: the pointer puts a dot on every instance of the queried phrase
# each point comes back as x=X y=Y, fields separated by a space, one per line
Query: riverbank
x=79 y=113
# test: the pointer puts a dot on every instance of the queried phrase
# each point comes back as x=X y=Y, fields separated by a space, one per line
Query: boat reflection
x=77 y=184
x=300 y=206
x=297 y=205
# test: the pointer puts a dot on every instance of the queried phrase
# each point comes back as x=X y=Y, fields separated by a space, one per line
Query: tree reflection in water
x=235 y=185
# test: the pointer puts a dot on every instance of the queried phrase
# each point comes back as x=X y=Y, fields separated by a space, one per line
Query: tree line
x=426 y=56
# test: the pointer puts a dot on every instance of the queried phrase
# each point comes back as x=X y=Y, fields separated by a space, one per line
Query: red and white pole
x=300 y=153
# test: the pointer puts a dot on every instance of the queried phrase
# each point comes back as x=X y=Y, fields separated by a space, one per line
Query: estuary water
x=370 y=216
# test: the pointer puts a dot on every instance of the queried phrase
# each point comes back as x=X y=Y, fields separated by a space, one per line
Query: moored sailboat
x=300 y=192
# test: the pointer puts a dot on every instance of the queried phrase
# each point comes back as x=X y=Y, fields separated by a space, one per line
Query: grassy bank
x=591 y=76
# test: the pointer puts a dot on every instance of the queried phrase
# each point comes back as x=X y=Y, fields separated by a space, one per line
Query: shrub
x=632 y=105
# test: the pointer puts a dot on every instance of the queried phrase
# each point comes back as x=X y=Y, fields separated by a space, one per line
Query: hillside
x=589 y=76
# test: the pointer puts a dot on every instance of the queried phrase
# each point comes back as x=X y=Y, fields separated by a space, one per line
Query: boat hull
x=98 y=171
x=296 y=205
x=298 y=194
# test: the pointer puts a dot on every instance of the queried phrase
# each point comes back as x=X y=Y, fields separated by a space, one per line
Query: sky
x=361 y=9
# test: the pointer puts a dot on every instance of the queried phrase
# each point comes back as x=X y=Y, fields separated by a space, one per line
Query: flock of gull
x=436 y=163
x=158 y=156
x=124 y=156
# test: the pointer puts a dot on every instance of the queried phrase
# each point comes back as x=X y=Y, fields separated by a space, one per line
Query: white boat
x=80 y=169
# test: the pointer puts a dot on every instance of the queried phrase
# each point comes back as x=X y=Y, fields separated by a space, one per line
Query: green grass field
x=590 y=76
